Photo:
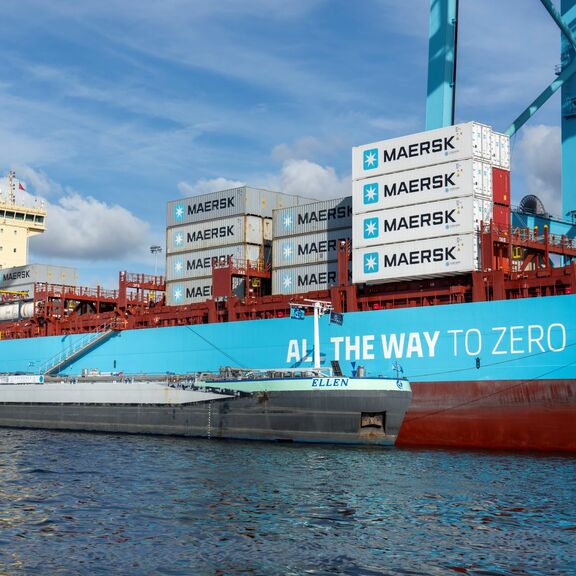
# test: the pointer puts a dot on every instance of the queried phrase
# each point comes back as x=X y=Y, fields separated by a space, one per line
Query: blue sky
x=108 y=108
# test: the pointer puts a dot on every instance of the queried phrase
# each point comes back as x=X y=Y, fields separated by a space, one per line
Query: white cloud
x=298 y=177
x=205 y=186
x=85 y=228
x=539 y=160
x=308 y=179
x=82 y=228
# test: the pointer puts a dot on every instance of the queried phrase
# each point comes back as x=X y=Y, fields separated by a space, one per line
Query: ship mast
x=320 y=309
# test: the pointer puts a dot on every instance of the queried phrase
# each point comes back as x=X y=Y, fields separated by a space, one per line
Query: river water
x=111 y=504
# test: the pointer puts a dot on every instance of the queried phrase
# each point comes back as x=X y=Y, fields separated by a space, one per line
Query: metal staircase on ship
x=79 y=347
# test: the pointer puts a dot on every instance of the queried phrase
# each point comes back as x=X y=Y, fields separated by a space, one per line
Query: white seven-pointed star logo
x=178 y=266
x=370 y=159
x=370 y=193
x=287 y=221
x=287 y=282
x=370 y=228
x=370 y=263
x=287 y=251
x=178 y=239
x=177 y=294
x=179 y=212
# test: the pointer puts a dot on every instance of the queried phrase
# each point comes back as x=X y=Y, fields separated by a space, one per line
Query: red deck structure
x=516 y=264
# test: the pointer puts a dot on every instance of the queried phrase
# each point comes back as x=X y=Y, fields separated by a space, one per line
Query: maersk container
x=313 y=217
x=221 y=232
x=450 y=180
x=500 y=151
x=183 y=292
x=418 y=221
x=453 y=143
x=225 y=203
x=14 y=278
x=299 y=279
x=309 y=248
x=443 y=256
x=198 y=263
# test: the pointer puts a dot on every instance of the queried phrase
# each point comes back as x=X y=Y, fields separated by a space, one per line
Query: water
x=107 y=504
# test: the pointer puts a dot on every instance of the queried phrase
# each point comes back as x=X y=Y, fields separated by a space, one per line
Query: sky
x=111 y=108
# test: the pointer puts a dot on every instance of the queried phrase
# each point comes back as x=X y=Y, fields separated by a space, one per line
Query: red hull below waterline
x=502 y=415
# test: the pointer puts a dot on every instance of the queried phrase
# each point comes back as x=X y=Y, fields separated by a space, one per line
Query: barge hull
x=278 y=416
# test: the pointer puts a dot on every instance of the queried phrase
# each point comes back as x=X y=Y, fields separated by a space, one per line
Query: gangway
x=76 y=349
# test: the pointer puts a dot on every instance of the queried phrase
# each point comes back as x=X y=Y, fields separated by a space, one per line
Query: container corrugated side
x=309 y=248
x=418 y=221
x=225 y=203
x=449 y=180
x=183 y=292
x=27 y=275
x=198 y=263
x=449 y=144
x=314 y=217
x=428 y=258
x=222 y=232
x=300 y=279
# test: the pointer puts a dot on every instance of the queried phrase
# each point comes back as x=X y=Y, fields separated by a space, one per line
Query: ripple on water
x=100 y=504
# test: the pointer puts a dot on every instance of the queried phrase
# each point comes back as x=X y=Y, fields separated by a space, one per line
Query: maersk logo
x=287 y=222
x=178 y=267
x=371 y=263
x=370 y=158
x=287 y=250
x=370 y=228
x=178 y=240
x=420 y=149
x=178 y=212
x=287 y=281
x=177 y=293
x=371 y=193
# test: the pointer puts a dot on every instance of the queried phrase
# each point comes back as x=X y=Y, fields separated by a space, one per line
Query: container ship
x=422 y=262
x=433 y=275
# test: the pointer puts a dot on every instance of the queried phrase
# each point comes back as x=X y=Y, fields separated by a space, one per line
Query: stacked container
x=419 y=201
x=22 y=278
x=305 y=245
x=201 y=230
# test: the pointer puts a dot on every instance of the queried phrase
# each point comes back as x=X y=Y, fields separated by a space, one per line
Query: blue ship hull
x=496 y=374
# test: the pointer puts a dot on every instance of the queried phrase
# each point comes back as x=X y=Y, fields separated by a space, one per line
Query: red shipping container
x=501 y=215
x=501 y=186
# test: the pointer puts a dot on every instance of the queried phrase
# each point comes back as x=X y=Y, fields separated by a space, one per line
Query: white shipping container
x=500 y=149
x=309 y=249
x=198 y=263
x=487 y=180
x=449 y=144
x=486 y=143
x=13 y=278
x=300 y=279
x=428 y=184
x=313 y=217
x=221 y=232
x=180 y=293
x=225 y=203
x=418 y=221
x=442 y=256
x=504 y=152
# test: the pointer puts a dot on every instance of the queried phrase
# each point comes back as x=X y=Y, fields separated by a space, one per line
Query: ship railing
x=260 y=373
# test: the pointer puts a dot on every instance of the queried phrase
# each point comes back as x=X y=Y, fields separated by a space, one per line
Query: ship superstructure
x=17 y=224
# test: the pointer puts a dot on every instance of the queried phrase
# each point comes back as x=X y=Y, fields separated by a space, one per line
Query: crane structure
x=442 y=87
